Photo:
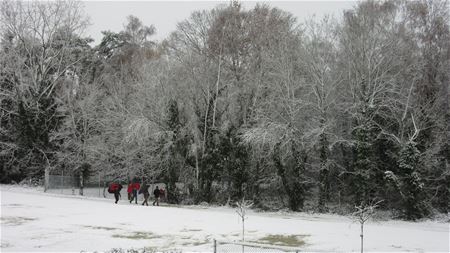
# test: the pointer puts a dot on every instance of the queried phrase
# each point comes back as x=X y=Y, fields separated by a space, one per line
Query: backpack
x=112 y=188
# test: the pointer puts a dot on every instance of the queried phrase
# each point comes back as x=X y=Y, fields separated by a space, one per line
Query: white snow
x=35 y=221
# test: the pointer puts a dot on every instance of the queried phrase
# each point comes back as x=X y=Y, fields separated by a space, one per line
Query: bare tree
x=241 y=209
x=363 y=213
x=319 y=52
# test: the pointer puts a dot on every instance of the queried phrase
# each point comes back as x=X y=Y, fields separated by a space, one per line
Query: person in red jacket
x=115 y=188
x=130 y=190
x=135 y=187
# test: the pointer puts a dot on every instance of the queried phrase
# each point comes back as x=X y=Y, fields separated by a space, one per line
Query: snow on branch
x=267 y=134
x=138 y=130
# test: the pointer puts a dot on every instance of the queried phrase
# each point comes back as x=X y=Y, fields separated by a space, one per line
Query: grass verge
x=283 y=240
x=138 y=235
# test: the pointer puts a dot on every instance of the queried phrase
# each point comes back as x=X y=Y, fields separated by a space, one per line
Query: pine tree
x=411 y=186
x=408 y=183
x=293 y=175
x=176 y=151
x=365 y=166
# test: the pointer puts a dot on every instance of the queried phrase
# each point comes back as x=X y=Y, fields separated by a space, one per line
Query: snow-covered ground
x=35 y=221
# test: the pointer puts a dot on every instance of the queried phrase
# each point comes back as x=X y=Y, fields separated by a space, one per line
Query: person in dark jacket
x=162 y=195
x=144 y=190
x=156 y=192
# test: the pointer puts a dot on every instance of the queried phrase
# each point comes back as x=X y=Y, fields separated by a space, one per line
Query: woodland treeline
x=310 y=115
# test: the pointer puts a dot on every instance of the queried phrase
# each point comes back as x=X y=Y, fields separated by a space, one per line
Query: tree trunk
x=243 y=232
x=46 y=178
x=197 y=170
x=81 y=184
x=362 y=237
x=217 y=88
x=324 y=184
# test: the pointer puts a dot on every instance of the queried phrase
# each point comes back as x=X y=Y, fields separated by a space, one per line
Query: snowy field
x=35 y=221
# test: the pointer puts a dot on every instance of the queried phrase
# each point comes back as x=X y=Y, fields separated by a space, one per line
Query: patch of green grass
x=101 y=228
x=138 y=235
x=150 y=249
x=198 y=243
x=14 y=205
x=15 y=220
x=191 y=230
x=283 y=240
x=5 y=245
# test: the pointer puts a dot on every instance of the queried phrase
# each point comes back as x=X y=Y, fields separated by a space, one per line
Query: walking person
x=162 y=195
x=144 y=190
x=117 y=193
x=156 y=192
x=135 y=188
x=115 y=188
x=130 y=191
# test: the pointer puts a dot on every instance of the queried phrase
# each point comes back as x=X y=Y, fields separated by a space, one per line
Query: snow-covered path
x=35 y=221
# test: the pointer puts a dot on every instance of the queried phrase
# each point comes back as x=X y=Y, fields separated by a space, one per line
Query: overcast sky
x=164 y=15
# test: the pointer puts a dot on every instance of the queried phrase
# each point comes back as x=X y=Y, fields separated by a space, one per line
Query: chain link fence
x=95 y=186
x=247 y=247
x=66 y=184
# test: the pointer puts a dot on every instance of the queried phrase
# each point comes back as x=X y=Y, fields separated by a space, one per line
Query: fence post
x=73 y=184
x=81 y=183
x=215 y=246
x=62 y=182
x=46 y=178
x=99 y=194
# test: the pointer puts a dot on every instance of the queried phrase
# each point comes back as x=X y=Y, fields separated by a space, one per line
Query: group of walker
x=134 y=189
